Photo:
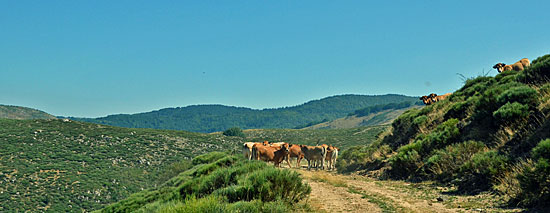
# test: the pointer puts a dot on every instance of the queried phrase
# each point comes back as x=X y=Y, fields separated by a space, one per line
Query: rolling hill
x=22 y=113
x=61 y=165
x=370 y=116
x=213 y=118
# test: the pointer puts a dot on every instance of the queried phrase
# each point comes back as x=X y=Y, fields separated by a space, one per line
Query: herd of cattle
x=316 y=156
x=501 y=67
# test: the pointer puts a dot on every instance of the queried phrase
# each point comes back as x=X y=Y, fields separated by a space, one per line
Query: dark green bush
x=234 y=131
x=542 y=150
x=409 y=158
x=272 y=184
x=511 y=112
x=445 y=163
x=406 y=163
x=481 y=171
x=534 y=181
x=538 y=72
x=521 y=94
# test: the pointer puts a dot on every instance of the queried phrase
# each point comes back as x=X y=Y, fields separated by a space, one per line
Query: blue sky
x=94 y=58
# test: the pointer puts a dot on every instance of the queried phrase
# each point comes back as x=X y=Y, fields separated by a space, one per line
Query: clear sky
x=95 y=58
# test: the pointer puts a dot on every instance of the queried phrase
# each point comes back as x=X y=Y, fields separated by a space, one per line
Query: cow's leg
x=288 y=160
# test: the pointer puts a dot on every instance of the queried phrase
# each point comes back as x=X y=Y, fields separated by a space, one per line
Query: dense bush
x=481 y=171
x=410 y=158
x=229 y=183
x=234 y=131
x=521 y=94
x=538 y=72
x=445 y=163
x=511 y=111
x=534 y=181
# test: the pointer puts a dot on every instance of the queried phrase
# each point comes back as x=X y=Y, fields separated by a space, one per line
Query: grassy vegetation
x=57 y=166
x=17 y=112
x=218 y=182
x=489 y=136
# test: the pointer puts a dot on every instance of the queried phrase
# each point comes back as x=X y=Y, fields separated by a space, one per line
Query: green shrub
x=534 y=181
x=208 y=158
x=521 y=94
x=193 y=204
x=511 y=112
x=420 y=120
x=542 y=150
x=479 y=173
x=405 y=163
x=234 y=131
x=409 y=158
x=246 y=206
x=445 y=163
x=538 y=72
x=272 y=184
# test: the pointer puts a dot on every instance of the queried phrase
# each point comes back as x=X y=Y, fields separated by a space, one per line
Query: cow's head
x=499 y=67
x=285 y=147
x=265 y=143
x=426 y=100
x=433 y=96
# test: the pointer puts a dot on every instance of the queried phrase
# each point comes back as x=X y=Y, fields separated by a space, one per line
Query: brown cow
x=436 y=98
x=426 y=100
x=278 y=146
x=332 y=155
x=314 y=153
x=268 y=153
x=247 y=148
x=296 y=152
x=518 y=66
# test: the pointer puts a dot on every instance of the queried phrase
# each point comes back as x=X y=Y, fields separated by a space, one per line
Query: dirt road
x=333 y=192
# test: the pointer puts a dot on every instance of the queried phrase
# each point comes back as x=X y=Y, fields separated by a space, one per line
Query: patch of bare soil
x=329 y=198
x=333 y=192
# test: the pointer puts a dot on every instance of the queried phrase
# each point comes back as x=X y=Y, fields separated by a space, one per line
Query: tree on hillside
x=234 y=131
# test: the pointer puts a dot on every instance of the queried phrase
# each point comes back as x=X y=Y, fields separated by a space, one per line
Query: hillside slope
x=60 y=166
x=73 y=166
x=490 y=135
x=212 y=118
x=384 y=117
x=22 y=113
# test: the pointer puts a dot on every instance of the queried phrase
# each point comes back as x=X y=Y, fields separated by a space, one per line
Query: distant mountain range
x=213 y=118
x=22 y=113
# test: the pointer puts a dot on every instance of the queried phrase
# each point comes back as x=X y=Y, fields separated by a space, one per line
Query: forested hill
x=212 y=118
x=22 y=113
